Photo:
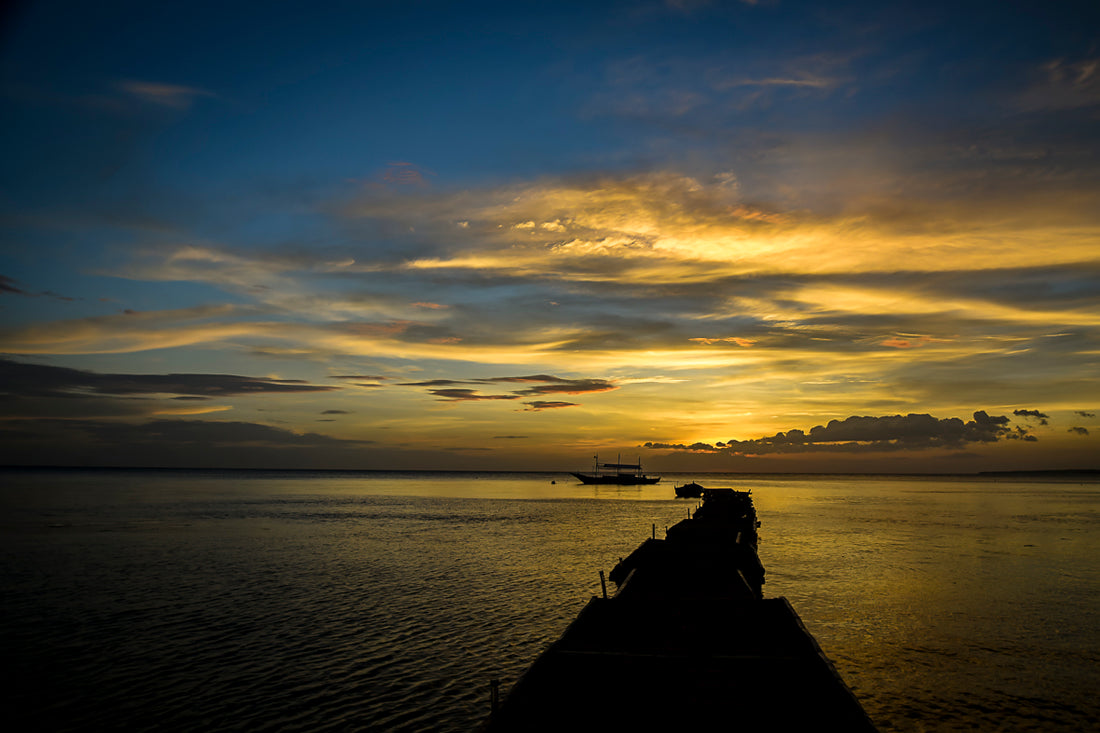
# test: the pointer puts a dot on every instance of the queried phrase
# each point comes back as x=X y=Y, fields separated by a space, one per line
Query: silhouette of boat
x=689 y=491
x=619 y=474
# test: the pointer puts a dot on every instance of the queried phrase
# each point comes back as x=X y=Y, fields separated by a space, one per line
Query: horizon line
x=1012 y=472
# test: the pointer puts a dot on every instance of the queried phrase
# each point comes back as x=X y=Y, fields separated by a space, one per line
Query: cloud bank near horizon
x=863 y=434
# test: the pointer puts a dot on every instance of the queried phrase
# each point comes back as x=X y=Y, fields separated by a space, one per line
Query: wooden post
x=654 y=530
x=603 y=584
x=494 y=695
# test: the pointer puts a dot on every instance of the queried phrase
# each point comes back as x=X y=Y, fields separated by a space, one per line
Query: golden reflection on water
x=946 y=604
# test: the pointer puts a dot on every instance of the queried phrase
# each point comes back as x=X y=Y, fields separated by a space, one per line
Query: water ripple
x=231 y=611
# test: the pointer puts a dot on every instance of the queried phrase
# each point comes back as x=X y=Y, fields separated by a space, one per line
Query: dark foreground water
x=386 y=601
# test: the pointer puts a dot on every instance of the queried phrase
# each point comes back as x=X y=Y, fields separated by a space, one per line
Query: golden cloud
x=668 y=228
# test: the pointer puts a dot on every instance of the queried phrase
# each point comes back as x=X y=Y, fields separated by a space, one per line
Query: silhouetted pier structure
x=686 y=643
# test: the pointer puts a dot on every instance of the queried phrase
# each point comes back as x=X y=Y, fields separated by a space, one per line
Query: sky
x=709 y=236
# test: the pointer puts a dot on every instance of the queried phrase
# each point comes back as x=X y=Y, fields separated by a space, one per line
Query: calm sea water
x=387 y=601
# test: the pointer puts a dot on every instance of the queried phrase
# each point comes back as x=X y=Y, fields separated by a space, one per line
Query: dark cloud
x=353 y=377
x=558 y=385
x=8 y=285
x=1055 y=286
x=1083 y=413
x=170 y=442
x=468 y=395
x=19 y=379
x=216 y=432
x=528 y=378
x=510 y=437
x=438 y=383
x=858 y=434
x=335 y=412
x=1079 y=430
x=184 y=432
x=1022 y=434
x=544 y=384
x=539 y=405
x=1032 y=413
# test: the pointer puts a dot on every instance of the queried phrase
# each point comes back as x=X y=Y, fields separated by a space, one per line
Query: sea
x=388 y=601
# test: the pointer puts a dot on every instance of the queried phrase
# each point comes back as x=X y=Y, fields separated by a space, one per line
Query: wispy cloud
x=126 y=332
x=406 y=174
x=177 y=411
x=23 y=379
x=174 y=96
x=1062 y=84
x=804 y=80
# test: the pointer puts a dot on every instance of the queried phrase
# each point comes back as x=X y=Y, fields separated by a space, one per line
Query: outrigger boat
x=620 y=474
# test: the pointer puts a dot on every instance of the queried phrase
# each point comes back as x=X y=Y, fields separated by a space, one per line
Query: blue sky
x=672 y=229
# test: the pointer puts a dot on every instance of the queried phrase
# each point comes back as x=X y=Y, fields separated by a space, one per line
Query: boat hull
x=616 y=480
x=689 y=491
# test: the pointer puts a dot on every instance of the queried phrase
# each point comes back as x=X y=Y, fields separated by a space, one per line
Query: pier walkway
x=688 y=642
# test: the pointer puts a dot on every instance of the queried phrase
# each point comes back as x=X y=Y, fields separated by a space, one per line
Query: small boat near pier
x=689 y=490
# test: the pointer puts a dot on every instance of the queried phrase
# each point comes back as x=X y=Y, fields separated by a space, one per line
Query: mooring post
x=654 y=530
x=494 y=695
x=603 y=584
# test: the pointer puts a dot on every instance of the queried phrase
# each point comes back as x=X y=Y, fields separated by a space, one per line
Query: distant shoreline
x=1067 y=473
x=1047 y=473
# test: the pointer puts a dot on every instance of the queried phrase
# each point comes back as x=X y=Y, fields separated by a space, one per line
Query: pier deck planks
x=688 y=642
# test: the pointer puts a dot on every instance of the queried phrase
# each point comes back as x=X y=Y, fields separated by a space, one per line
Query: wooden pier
x=687 y=642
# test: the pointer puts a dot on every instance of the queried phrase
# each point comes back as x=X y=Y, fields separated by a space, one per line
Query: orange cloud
x=192 y=410
x=743 y=342
x=911 y=342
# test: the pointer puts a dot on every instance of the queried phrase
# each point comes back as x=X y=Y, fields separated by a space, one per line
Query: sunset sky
x=736 y=236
